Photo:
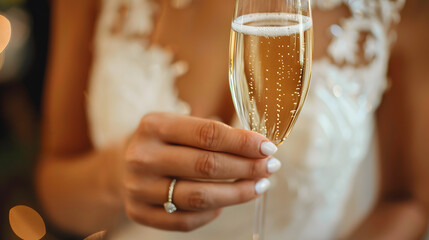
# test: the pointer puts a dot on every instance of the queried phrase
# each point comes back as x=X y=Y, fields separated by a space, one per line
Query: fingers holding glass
x=168 y=146
x=187 y=162
x=197 y=196
x=206 y=134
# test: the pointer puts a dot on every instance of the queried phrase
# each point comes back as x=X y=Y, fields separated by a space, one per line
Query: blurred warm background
x=22 y=69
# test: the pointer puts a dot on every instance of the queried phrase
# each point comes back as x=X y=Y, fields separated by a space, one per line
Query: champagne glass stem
x=259 y=220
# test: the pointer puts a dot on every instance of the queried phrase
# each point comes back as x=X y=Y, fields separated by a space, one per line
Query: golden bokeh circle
x=5 y=32
x=26 y=223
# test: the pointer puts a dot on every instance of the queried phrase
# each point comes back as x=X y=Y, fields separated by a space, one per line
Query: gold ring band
x=169 y=205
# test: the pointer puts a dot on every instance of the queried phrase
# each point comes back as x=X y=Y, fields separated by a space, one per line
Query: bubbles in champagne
x=269 y=76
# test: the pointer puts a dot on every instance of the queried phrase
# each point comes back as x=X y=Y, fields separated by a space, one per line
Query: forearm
x=394 y=221
x=81 y=194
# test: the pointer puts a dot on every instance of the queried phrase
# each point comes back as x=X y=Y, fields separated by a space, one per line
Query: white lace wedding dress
x=328 y=182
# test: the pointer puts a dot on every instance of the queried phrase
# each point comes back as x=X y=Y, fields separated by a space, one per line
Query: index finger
x=212 y=135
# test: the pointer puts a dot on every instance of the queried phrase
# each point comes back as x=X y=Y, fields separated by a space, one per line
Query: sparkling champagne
x=270 y=68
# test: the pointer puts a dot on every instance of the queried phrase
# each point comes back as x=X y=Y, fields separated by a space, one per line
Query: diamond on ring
x=169 y=205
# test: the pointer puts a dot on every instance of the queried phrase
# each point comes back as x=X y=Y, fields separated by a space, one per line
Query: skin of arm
x=65 y=173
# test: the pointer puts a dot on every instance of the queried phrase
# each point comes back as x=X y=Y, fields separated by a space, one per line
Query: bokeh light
x=5 y=32
x=26 y=223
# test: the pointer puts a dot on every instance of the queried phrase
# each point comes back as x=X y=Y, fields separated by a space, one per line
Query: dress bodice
x=328 y=182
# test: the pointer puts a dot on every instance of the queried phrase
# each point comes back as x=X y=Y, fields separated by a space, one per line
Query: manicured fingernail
x=268 y=148
x=262 y=185
x=273 y=165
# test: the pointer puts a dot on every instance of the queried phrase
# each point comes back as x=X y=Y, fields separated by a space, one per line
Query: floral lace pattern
x=129 y=77
x=310 y=198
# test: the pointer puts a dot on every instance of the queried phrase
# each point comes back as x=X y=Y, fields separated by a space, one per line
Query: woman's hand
x=167 y=146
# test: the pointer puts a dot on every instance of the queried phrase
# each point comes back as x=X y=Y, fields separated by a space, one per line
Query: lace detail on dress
x=130 y=77
x=372 y=21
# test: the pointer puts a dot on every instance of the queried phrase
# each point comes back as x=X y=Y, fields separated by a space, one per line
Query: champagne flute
x=270 y=66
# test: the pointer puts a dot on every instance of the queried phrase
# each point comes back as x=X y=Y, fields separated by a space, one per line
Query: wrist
x=111 y=179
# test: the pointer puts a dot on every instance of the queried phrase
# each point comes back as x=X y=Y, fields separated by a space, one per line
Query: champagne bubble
x=272 y=78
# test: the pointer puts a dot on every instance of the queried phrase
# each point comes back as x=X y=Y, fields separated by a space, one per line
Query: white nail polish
x=268 y=148
x=273 y=165
x=262 y=185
